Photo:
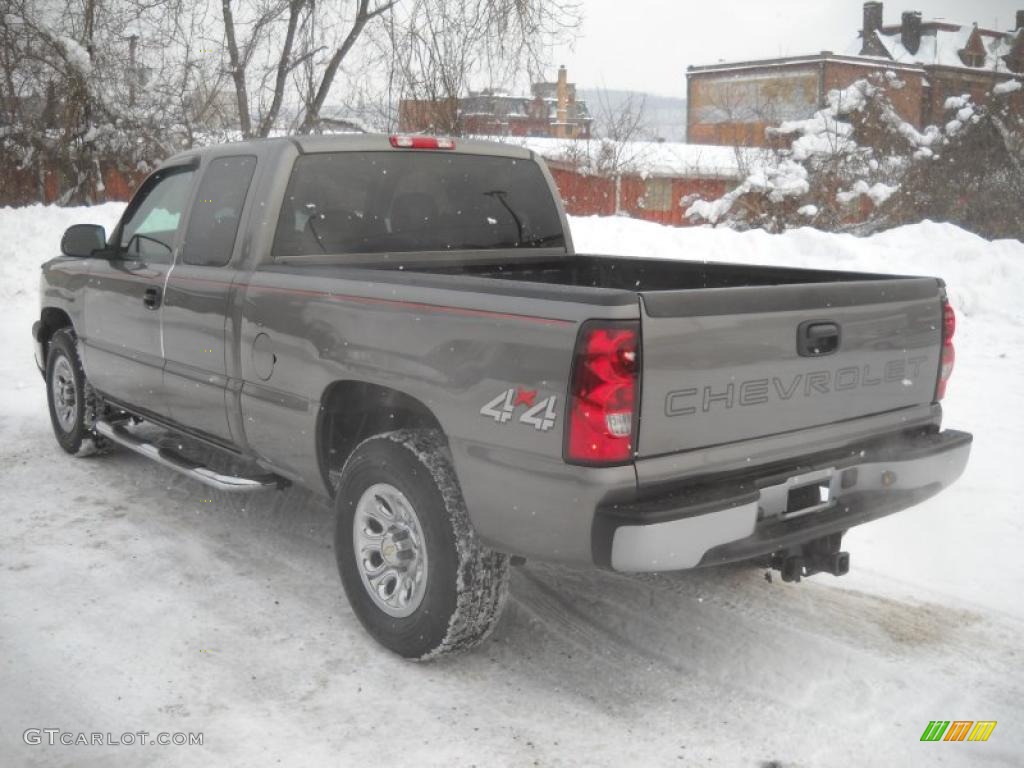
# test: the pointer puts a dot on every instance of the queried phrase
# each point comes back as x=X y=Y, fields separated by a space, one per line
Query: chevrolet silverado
x=402 y=325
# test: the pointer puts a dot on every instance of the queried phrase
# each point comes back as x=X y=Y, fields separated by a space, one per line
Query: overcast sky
x=646 y=45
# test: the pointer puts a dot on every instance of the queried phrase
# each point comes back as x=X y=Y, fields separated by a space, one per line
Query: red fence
x=25 y=186
x=661 y=199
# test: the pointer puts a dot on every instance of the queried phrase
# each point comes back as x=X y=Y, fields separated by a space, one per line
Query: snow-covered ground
x=132 y=599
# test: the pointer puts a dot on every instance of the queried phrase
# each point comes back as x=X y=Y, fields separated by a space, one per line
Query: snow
x=941 y=47
x=76 y=55
x=651 y=158
x=824 y=133
x=30 y=232
x=713 y=210
x=134 y=599
x=1010 y=86
x=878 y=192
x=787 y=179
x=819 y=135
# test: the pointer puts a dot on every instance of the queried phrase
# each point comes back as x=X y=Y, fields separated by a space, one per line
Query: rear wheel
x=72 y=401
x=414 y=570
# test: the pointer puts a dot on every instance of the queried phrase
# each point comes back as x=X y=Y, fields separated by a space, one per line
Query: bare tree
x=90 y=84
x=619 y=138
x=621 y=127
x=438 y=48
x=264 y=58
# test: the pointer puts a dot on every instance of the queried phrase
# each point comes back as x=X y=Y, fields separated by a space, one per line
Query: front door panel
x=122 y=338
x=122 y=334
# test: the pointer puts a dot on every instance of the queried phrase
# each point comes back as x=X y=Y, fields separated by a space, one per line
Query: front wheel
x=72 y=401
x=415 y=572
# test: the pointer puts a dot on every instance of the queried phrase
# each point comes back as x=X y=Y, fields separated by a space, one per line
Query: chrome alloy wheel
x=62 y=390
x=390 y=550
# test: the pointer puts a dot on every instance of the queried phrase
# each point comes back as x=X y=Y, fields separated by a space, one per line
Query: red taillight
x=948 y=322
x=603 y=393
x=948 y=352
x=421 y=142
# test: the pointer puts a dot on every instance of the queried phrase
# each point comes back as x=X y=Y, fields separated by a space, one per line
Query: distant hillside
x=665 y=116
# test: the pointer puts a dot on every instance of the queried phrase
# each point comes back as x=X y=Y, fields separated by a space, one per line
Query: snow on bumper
x=751 y=517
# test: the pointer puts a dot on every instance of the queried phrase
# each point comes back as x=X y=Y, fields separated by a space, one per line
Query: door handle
x=151 y=298
x=816 y=338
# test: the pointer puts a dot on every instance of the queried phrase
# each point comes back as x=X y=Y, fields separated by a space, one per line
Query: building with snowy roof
x=733 y=103
x=552 y=110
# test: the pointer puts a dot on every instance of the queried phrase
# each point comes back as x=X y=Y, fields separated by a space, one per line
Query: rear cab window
x=380 y=202
x=217 y=211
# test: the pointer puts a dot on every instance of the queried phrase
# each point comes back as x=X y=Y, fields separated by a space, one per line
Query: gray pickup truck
x=402 y=324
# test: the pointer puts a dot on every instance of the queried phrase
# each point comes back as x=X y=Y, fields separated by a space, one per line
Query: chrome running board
x=231 y=483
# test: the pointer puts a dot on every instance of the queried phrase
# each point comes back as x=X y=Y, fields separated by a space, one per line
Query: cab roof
x=352 y=142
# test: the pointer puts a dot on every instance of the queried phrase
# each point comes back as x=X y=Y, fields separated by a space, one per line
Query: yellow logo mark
x=982 y=730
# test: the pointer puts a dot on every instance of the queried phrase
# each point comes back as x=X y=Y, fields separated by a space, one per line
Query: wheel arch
x=351 y=411
x=51 y=320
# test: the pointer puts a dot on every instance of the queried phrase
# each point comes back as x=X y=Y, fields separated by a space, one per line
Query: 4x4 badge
x=539 y=415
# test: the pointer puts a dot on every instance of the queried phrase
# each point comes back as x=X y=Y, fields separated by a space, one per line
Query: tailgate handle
x=816 y=338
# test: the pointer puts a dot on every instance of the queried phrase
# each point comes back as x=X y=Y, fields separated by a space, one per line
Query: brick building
x=733 y=103
x=552 y=110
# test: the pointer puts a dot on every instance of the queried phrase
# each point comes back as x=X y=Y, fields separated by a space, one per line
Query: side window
x=151 y=227
x=213 y=223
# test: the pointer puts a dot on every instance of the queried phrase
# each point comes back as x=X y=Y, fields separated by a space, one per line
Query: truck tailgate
x=721 y=365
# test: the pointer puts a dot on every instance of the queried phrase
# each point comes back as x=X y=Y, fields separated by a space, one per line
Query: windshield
x=374 y=202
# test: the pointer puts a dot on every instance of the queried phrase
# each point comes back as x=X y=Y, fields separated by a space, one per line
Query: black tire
x=73 y=426
x=466 y=583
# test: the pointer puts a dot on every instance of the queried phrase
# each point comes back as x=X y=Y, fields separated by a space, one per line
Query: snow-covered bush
x=828 y=168
x=858 y=166
x=975 y=178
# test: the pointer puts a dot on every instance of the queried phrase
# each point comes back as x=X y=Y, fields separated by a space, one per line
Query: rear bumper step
x=230 y=483
x=737 y=521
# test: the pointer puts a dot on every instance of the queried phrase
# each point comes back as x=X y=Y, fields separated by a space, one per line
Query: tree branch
x=237 y=70
x=363 y=15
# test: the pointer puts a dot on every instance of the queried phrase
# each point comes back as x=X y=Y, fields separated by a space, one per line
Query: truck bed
x=722 y=357
x=623 y=273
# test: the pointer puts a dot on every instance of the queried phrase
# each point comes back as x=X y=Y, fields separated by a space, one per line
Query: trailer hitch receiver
x=816 y=556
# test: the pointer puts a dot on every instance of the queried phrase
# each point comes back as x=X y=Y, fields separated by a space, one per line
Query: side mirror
x=81 y=240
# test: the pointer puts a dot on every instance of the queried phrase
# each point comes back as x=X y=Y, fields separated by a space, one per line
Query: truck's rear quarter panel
x=455 y=350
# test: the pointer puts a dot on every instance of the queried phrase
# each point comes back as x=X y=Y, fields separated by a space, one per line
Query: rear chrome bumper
x=744 y=516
